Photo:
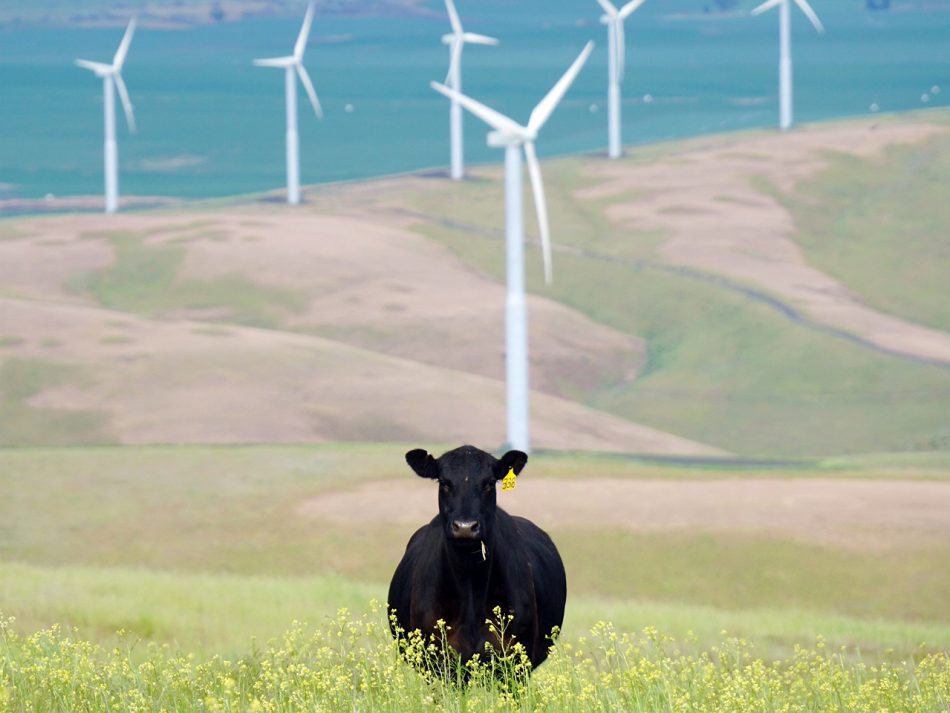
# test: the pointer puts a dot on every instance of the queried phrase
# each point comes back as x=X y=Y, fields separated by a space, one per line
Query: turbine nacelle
x=295 y=61
x=510 y=134
x=100 y=69
x=803 y=5
x=282 y=62
x=458 y=37
x=614 y=18
x=503 y=139
x=612 y=12
x=114 y=70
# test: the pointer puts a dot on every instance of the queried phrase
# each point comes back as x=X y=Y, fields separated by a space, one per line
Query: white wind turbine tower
x=111 y=75
x=785 y=51
x=455 y=40
x=513 y=136
x=616 y=43
x=290 y=65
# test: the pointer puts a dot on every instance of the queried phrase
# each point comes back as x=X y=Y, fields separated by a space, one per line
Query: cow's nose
x=465 y=529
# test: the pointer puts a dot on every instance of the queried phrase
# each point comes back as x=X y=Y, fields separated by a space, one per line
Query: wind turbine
x=290 y=65
x=614 y=19
x=512 y=137
x=785 y=51
x=455 y=40
x=111 y=75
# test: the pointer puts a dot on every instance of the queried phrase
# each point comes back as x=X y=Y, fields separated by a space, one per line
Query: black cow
x=473 y=557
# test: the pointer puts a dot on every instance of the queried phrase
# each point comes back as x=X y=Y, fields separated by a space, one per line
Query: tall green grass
x=214 y=613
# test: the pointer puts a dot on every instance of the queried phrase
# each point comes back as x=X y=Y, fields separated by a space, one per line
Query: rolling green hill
x=757 y=294
x=732 y=361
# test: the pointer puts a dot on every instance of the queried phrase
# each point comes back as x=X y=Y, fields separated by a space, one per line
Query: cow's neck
x=469 y=573
x=468 y=563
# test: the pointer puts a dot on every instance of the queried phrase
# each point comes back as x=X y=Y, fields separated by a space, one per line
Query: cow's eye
x=488 y=486
x=446 y=486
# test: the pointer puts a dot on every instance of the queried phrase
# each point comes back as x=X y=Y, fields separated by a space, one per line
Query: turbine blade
x=123 y=50
x=126 y=102
x=810 y=14
x=767 y=5
x=630 y=8
x=544 y=108
x=477 y=39
x=97 y=67
x=491 y=117
x=308 y=86
x=301 y=44
x=454 y=59
x=453 y=17
x=282 y=62
x=621 y=42
x=608 y=8
x=537 y=187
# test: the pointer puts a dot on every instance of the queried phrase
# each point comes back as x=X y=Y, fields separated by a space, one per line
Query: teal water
x=211 y=124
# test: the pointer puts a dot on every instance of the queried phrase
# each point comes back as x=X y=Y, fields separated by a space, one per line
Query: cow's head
x=467 y=478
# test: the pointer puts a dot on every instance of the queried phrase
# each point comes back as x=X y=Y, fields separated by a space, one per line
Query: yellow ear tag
x=508 y=482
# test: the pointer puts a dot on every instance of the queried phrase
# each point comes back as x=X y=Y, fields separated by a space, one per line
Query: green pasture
x=146 y=279
x=204 y=547
x=23 y=423
x=221 y=614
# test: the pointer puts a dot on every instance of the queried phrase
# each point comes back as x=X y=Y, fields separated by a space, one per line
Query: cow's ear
x=513 y=460
x=424 y=464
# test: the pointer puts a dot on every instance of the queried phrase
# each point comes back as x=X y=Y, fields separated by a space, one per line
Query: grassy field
x=24 y=424
x=146 y=280
x=89 y=532
x=185 y=578
x=220 y=614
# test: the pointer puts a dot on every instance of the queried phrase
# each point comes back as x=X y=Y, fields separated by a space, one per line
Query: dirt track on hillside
x=859 y=514
x=721 y=224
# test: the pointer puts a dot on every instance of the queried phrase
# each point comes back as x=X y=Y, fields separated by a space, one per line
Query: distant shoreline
x=25 y=207
x=196 y=13
x=185 y=14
